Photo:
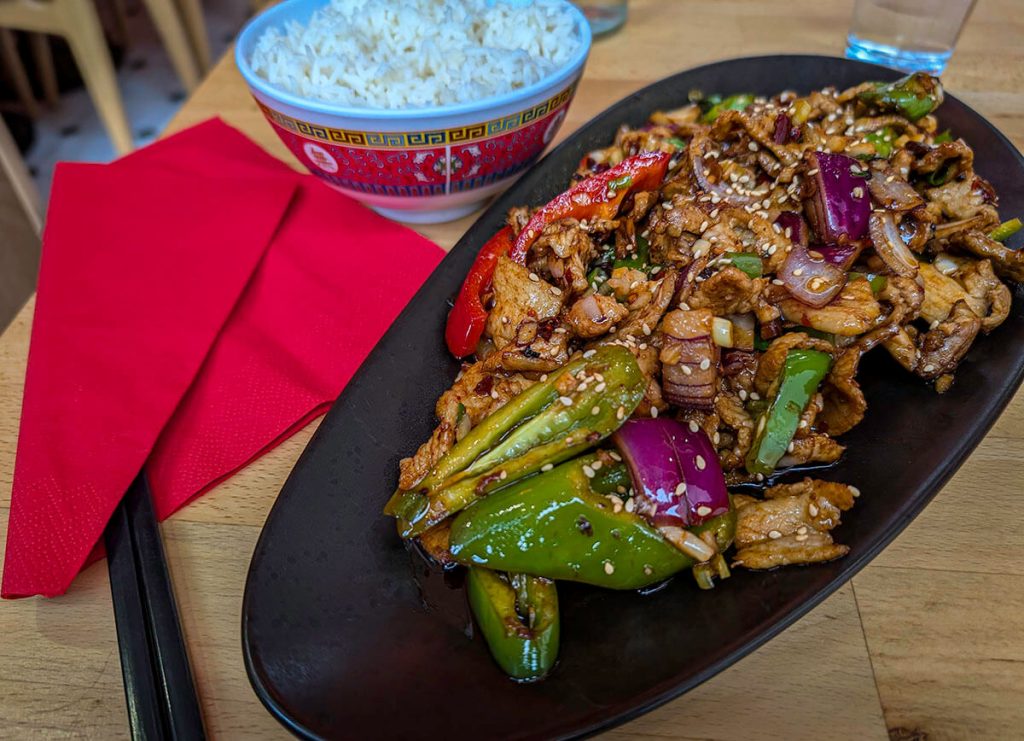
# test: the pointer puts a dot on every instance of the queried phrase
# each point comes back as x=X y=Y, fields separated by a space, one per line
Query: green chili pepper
x=882 y=141
x=913 y=96
x=518 y=618
x=801 y=374
x=533 y=429
x=556 y=525
x=878 y=282
x=676 y=142
x=732 y=103
x=1006 y=230
x=640 y=260
x=747 y=262
x=945 y=136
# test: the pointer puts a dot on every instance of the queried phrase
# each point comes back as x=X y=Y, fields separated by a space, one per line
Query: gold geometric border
x=406 y=140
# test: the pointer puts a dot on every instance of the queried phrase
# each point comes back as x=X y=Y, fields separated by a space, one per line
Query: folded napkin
x=198 y=301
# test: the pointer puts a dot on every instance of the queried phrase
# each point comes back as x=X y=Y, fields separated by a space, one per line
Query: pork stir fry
x=691 y=315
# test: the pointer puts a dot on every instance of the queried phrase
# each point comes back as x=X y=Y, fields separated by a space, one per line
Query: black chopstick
x=159 y=688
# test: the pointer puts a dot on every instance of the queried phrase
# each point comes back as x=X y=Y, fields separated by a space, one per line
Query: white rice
x=417 y=53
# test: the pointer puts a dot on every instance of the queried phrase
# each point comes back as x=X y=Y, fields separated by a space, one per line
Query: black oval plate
x=346 y=635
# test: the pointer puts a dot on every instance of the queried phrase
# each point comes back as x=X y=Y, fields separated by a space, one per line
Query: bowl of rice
x=421 y=109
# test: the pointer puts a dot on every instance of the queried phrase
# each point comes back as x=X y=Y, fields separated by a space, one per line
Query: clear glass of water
x=911 y=35
x=605 y=16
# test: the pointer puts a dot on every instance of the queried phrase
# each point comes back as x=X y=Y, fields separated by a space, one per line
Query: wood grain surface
x=927 y=642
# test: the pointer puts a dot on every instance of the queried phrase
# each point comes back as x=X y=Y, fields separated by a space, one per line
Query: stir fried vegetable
x=689 y=315
x=518 y=617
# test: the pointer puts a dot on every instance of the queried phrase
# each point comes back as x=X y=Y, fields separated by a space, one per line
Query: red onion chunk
x=810 y=278
x=795 y=223
x=836 y=200
x=840 y=255
x=675 y=469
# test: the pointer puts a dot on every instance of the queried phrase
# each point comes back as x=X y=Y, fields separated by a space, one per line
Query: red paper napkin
x=143 y=348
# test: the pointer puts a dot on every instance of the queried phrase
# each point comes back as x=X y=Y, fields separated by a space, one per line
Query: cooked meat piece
x=851 y=313
x=626 y=283
x=774 y=358
x=729 y=291
x=940 y=293
x=815 y=448
x=517 y=218
x=845 y=404
x=935 y=157
x=905 y=296
x=435 y=543
x=647 y=305
x=568 y=248
x=1007 y=263
x=593 y=315
x=789 y=550
x=650 y=366
x=412 y=470
x=982 y=222
x=903 y=349
x=959 y=199
x=730 y=410
x=519 y=298
x=541 y=354
x=943 y=347
x=792 y=524
x=988 y=296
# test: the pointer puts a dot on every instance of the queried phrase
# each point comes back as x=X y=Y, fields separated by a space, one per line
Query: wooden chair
x=179 y=23
x=24 y=189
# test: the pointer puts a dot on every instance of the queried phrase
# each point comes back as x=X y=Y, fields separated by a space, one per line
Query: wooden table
x=928 y=641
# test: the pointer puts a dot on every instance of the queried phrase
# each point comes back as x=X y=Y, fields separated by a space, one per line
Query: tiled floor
x=151 y=92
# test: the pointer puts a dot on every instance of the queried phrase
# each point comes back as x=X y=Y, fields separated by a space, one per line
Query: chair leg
x=120 y=22
x=24 y=189
x=43 y=56
x=85 y=37
x=16 y=71
x=192 y=15
x=172 y=32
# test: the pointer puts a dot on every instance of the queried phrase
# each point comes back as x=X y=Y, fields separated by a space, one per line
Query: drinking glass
x=910 y=35
x=604 y=15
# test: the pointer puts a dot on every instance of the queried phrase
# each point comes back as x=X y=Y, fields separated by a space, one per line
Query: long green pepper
x=532 y=430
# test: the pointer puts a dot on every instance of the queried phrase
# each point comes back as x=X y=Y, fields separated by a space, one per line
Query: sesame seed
x=494 y=394
x=694 y=426
x=798 y=272
x=778 y=282
x=609 y=567
x=858 y=192
x=753 y=146
x=890 y=178
x=667 y=205
x=582 y=386
x=774 y=534
x=803 y=423
x=802 y=529
x=630 y=505
x=755 y=396
x=815 y=283
x=556 y=291
x=620 y=413
x=643 y=346
x=743 y=395
x=703 y=226
x=716 y=438
x=801 y=538
x=714 y=212
x=648 y=570
x=701 y=463
x=547 y=467
x=928 y=368
x=687 y=370
x=760 y=425
x=646 y=328
x=615 y=456
x=703 y=510
x=654 y=412
x=588 y=471
x=595 y=410
x=543 y=377
x=565 y=400
x=855 y=491
x=705 y=364
x=600 y=387
x=812 y=510
x=814 y=171
x=534 y=277
x=589 y=354
x=596 y=465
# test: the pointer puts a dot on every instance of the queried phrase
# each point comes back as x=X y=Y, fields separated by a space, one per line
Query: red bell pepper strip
x=468 y=317
x=597 y=197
